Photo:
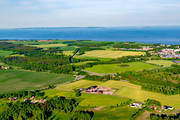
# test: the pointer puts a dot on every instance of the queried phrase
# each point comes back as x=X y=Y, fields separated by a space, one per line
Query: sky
x=88 y=13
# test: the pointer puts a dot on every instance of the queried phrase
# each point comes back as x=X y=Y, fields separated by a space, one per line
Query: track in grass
x=11 y=80
x=118 y=68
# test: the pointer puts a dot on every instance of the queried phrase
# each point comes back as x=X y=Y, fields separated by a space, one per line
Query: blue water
x=164 y=35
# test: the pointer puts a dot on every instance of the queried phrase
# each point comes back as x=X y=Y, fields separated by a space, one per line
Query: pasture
x=165 y=63
x=11 y=80
x=118 y=68
x=120 y=113
x=123 y=89
x=95 y=100
x=5 y=53
x=49 y=45
x=111 y=54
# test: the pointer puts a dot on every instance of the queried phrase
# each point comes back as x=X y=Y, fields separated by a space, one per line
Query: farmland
x=118 y=68
x=110 y=53
x=123 y=89
x=165 y=63
x=49 y=45
x=135 y=92
x=11 y=80
x=5 y=53
x=121 y=113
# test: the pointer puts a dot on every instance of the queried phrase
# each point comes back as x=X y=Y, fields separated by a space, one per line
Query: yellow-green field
x=5 y=53
x=78 y=84
x=165 y=63
x=69 y=53
x=49 y=45
x=123 y=90
x=111 y=54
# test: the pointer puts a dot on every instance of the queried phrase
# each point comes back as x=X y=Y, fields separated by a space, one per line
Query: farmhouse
x=168 y=108
x=4 y=67
x=169 y=53
x=98 y=90
x=136 y=105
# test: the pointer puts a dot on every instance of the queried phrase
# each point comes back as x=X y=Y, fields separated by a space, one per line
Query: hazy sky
x=74 y=13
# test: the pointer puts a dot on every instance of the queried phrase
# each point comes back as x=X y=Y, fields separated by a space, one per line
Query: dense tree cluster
x=164 y=80
x=125 y=45
x=51 y=63
x=165 y=116
x=22 y=94
x=21 y=49
x=43 y=111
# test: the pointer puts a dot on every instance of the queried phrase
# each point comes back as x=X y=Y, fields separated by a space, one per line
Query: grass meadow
x=49 y=45
x=11 y=80
x=165 y=63
x=5 y=53
x=118 y=68
x=111 y=54
x=120 y=113
x=124 y=90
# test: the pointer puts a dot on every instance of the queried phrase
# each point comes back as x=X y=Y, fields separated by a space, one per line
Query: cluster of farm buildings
x=4 y=67
x=32 y=99
x=169 y=53
x=144 y=48
x=153 y=107
x=98 y=90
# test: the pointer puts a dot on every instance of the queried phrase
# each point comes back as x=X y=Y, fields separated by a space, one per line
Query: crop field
x=95 y=100
x=68 y=53
x=165 y=63
x=123 y=89
x=49 y=45
x=118 y=68
x=77 y=84
x=5 y=53
x=120 y=113
x=111 y=54
x=11 y=80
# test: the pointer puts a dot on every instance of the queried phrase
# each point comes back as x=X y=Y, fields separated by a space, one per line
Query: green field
x=123 y=90
x=120 y=113
x=110 y=53
x=165 y=63
x=11 y=80
x=49 y=45
x=5 y=53
x=118 y=68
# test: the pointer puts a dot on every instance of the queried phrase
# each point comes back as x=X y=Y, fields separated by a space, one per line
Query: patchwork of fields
x=11 y=80
x=118 y=68
x=123 y=89
x=111 y=54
